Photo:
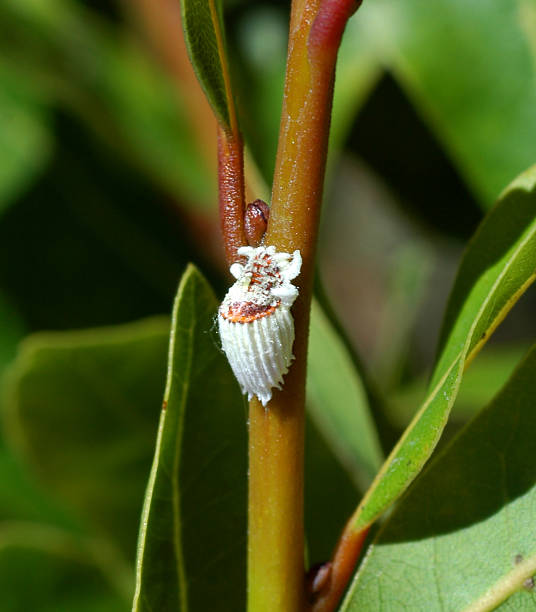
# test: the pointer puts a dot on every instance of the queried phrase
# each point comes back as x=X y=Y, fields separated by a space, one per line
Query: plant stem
x=275 y=534
x=344 y=560
x=231 y=191
x=276 y=579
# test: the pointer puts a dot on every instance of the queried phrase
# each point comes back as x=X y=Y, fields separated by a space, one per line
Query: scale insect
x=254 y=319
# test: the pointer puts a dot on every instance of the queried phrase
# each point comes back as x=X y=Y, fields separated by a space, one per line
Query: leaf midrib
x=504 y=587
x=177 y=535
x=177 y=540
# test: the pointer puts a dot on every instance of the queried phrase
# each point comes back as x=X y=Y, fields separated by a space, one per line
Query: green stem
x=275 y=534
x=276 y=579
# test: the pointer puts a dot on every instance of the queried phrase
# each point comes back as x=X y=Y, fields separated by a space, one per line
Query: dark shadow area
x=396 y=143
x=106 y=8
x=325 y=481
x=91 y=242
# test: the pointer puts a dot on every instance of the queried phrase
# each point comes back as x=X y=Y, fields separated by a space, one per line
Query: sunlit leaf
x=497 y=268
x=471 y=70
x=192 y=547
x=463 y=537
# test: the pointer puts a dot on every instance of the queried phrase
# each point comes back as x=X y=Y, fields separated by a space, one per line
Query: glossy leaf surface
x=192 y=543
x=463 y=537
x=498 y=266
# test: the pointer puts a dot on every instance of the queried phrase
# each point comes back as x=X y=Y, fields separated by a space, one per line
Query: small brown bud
x=256 y=222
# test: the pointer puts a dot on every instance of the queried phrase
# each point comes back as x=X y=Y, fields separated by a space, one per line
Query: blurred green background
x=107 y=190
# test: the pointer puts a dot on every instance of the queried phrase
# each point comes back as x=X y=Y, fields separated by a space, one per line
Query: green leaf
x=50 y=570
x=81 y=408
x=25 y=141
x=497 y=268
x=337 y=402
x=463 y=537
x=191 y=549
x=203 y=31
x=471 y=69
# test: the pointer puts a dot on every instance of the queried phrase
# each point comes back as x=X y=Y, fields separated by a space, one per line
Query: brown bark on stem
x=231 y=192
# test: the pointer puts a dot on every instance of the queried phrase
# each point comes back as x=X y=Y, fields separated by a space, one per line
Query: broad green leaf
x=50 y=570
x=25 y=141
x=463 y=537
x=47 y=562
x=81 y=408
x=192 y=542
x=203 y=32
x=338 y=403
x=471 y=69
x=24 y=499
x=497 y=268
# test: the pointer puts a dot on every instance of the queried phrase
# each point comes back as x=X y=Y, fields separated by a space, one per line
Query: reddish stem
x=341 y=569
x=231 y=191
x=315 y=33
x=328 y=27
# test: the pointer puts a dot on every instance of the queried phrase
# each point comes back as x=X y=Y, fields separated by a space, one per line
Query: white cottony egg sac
x=254 y=319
